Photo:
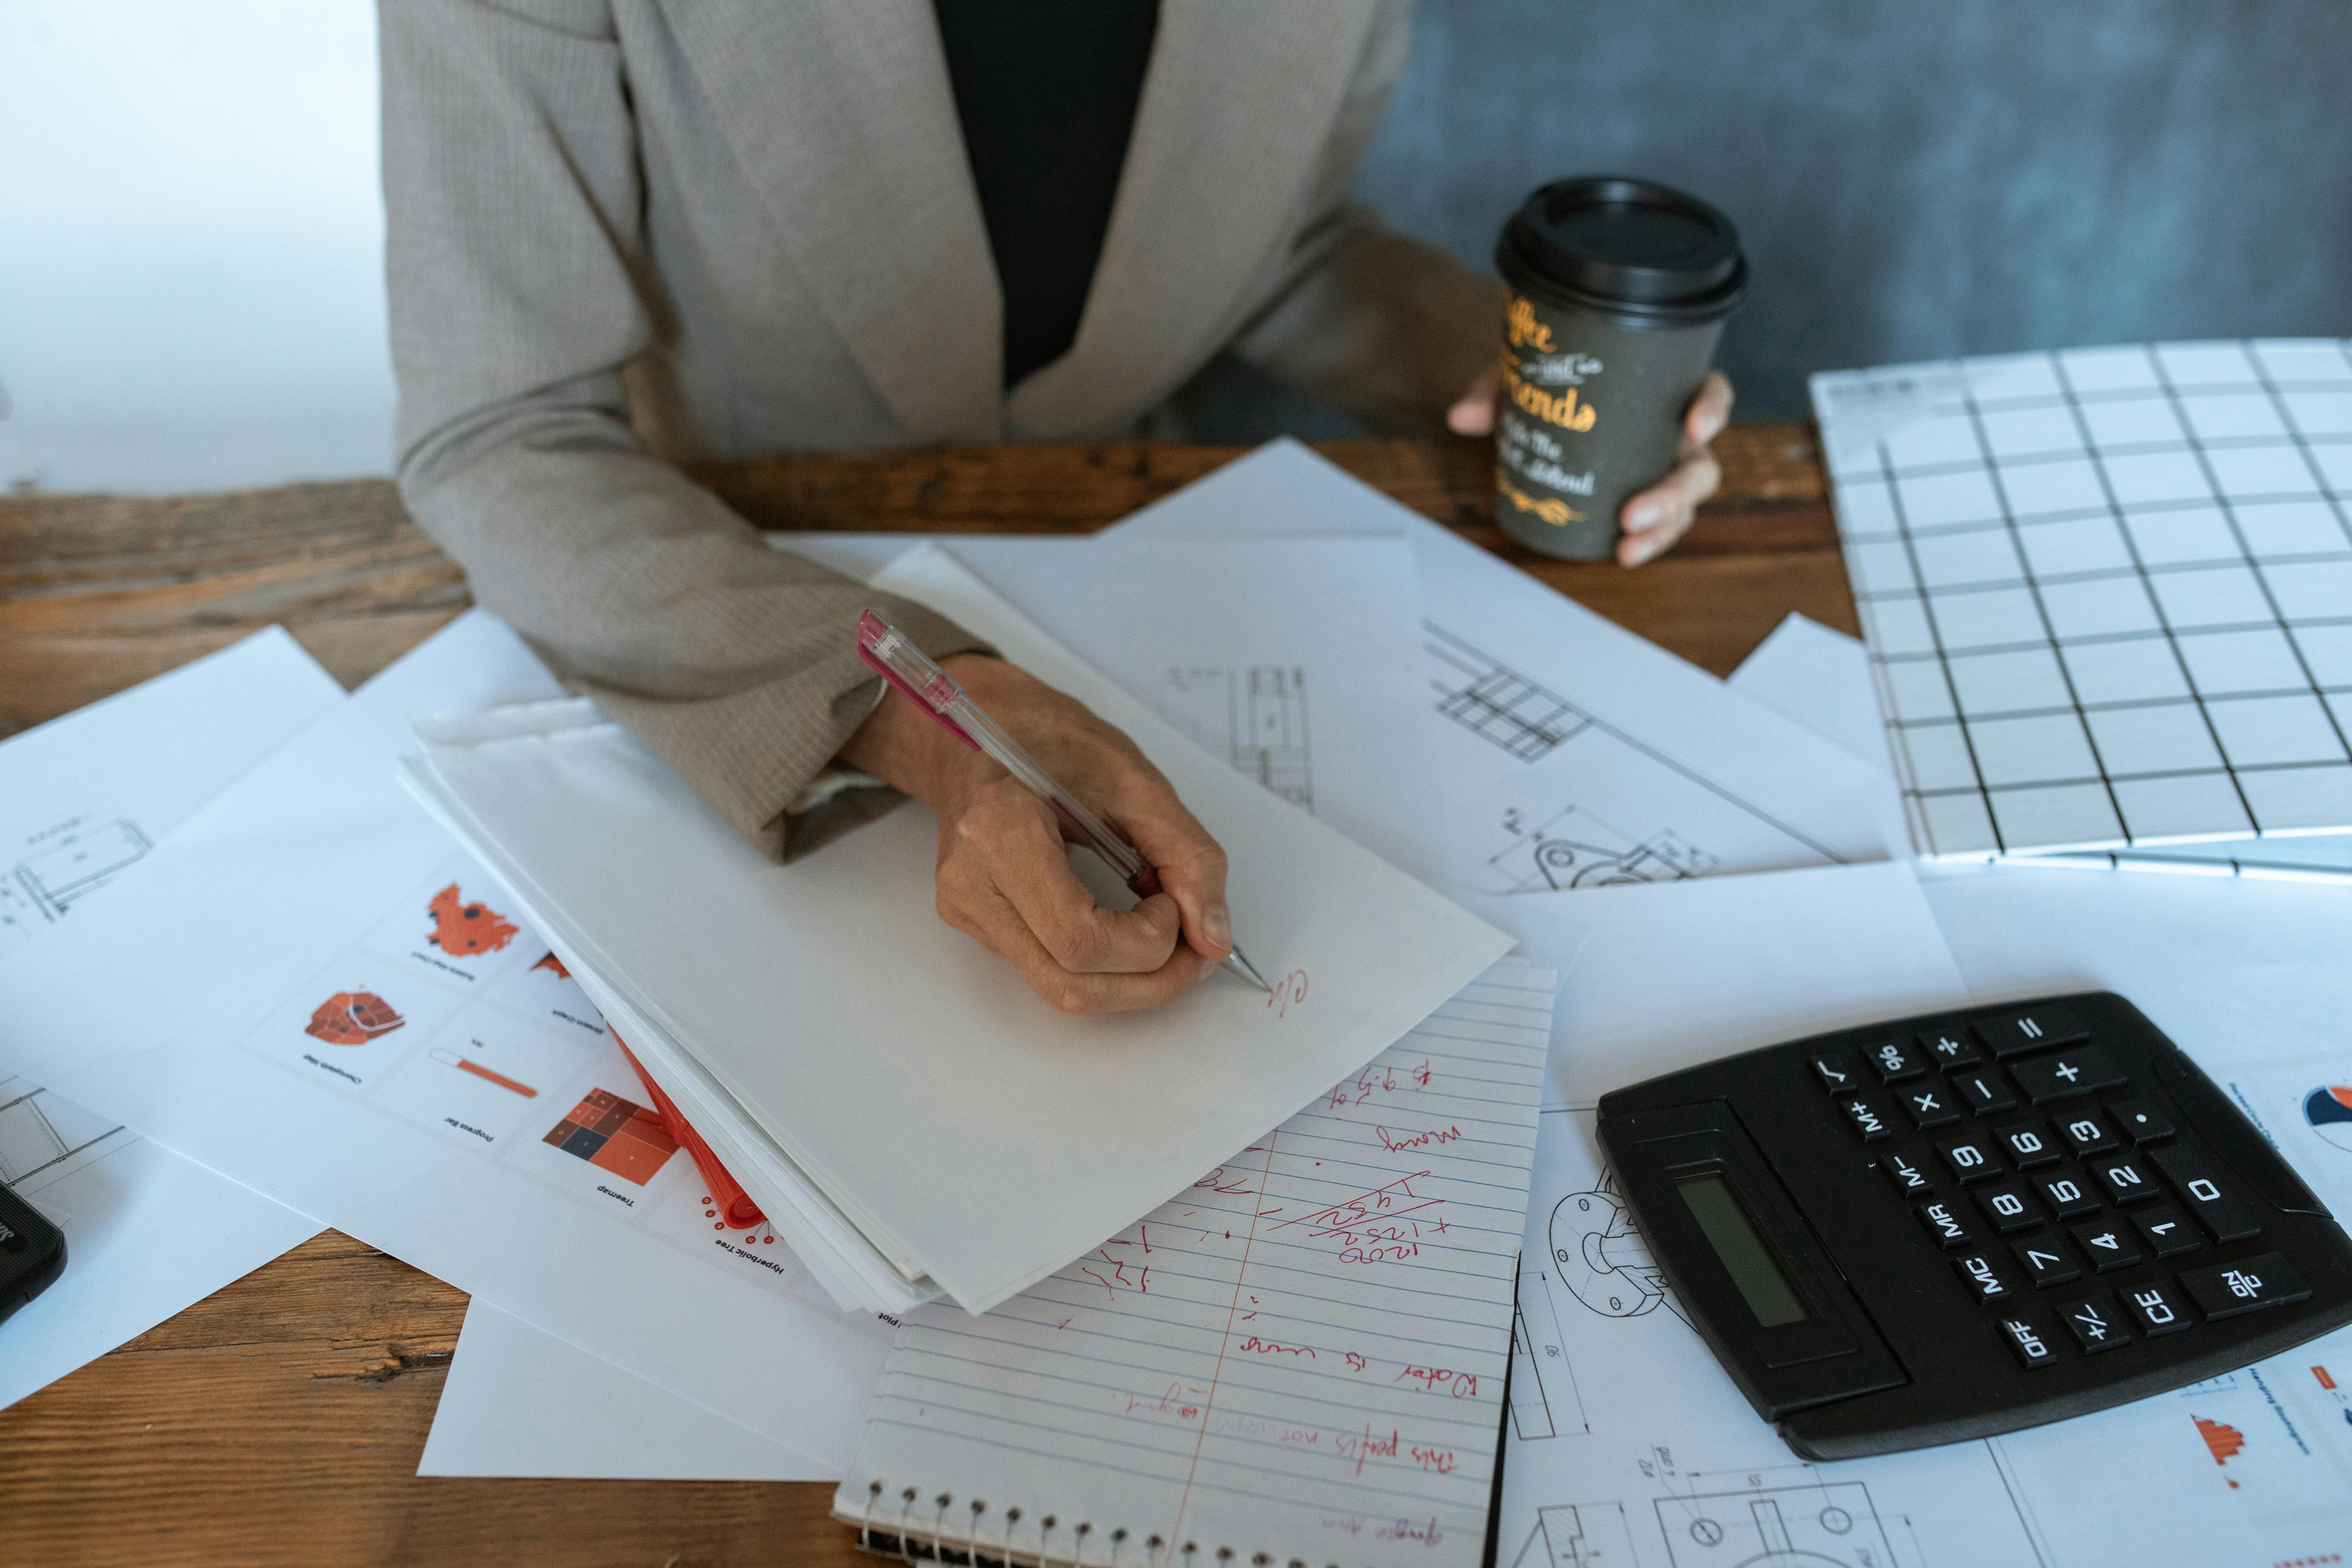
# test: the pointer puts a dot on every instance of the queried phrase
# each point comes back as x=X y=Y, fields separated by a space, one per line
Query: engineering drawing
x=1496 y=702
x=1829 y=1525
x=1580 y=1535
x=1261 y=712
x=1574 y=849
x=1603 y=1259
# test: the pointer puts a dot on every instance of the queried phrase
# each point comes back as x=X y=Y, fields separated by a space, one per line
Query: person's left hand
x=1661 y=514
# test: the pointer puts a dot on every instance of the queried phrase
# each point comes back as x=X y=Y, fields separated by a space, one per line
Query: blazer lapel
x=843 y=118
x=1238 y=105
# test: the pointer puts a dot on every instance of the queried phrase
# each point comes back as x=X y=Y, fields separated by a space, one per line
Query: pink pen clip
x=907 y=668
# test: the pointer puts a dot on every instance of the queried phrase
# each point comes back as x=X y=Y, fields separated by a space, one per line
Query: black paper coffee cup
x=1619 y=290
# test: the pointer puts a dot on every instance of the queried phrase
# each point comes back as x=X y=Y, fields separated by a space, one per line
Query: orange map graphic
x=2222 y=1438
x=554 y=965
x=352 y=1018
x=467 y=930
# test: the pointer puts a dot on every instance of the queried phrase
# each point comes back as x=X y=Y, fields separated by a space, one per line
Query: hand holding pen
x=1005 y=875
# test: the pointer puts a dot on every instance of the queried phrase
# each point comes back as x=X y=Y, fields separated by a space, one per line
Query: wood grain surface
x=279 y=1421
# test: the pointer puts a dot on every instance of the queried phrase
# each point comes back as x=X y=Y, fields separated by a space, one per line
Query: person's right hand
x=1005 y=875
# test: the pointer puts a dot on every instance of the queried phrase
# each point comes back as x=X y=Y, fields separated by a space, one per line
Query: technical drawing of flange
x=1602 y=1259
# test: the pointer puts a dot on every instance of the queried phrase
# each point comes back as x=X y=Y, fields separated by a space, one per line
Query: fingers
x=1710 y=411
x=1656 y=518
x=1009 y=846
x=1191 y=864
x=1473 y=413
x=1072 y=993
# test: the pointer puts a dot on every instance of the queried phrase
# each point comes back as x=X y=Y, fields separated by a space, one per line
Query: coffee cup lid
x=1629 y=246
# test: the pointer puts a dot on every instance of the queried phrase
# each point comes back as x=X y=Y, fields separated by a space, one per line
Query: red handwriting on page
x=1287 y=993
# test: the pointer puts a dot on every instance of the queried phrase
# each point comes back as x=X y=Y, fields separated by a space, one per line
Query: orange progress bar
x=497 y=1078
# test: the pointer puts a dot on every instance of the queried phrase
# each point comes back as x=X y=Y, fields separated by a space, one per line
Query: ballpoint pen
x=933 y=689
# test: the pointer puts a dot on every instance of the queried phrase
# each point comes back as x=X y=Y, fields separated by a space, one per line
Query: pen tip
x=1243 y=967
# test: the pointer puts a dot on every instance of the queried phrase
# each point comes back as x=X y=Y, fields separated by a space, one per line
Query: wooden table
x=279 y=1420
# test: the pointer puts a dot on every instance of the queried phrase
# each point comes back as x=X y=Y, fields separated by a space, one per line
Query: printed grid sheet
x=1302 y=1355
x=2107 y=592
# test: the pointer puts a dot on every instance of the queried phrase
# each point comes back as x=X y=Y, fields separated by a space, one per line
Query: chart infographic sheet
x=329 y=1005
x=2107 y=593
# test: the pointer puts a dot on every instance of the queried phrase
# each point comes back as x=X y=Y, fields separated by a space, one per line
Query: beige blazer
x=625 y=232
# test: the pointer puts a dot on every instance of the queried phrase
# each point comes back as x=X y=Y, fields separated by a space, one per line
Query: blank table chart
x=2108 y=594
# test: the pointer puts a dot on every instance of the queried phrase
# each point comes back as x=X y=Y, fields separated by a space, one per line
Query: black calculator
x=1955 y=1226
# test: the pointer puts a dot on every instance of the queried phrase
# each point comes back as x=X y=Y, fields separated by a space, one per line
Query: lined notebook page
x=1301 y=1356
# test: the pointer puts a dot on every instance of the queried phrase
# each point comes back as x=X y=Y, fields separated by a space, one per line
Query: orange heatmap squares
x=616 y=1135
x=352 y=1018
x=465 y=930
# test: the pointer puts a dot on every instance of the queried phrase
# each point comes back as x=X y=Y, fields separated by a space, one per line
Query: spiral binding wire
x=1158 y=1552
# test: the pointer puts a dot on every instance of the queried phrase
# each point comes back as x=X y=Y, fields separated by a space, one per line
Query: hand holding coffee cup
x=1654 y=519
x=1617 y=291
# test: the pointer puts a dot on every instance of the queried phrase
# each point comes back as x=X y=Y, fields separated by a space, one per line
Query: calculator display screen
x=1745 y=1257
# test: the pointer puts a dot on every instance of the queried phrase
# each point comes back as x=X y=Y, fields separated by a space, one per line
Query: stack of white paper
x=910 y=1116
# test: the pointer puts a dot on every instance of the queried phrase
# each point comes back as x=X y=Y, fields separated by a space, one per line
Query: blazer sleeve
x=518 y=280
x=1383 y=325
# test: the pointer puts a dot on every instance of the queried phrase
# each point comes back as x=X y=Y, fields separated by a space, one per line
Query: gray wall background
x=1912 y=179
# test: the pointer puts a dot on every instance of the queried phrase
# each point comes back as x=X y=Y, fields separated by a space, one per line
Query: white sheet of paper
x=83 y=799
x=1010 y=1146
x=1293 y=658
x=1338 y=612
x=315 y=878
x=1678 y=974
x=518 y=1402
x=1576 y=753
x=2250 y=978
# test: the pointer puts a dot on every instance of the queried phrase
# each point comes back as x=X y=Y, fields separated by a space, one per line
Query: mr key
x=1948 y=1226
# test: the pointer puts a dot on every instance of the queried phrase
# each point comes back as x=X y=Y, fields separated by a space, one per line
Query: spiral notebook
x=1299 y=1360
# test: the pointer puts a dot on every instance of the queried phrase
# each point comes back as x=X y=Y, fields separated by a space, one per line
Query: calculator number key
x=2014 y=1034
x=1836 y=1071
x=1982 y=1091
x=1945 y=1227
x=2093 y=1322
x=2141 y=1122
x=1970 y=1158
x=2008 y=1209
x=2127 y=1181
x=1947 y=1049
x=1894 y=1061
x=2066 y=1192
x=2224 y=1215
x=1869 y=1118
x=2109 y=1245
x=2067 y=1074
x=2167 y=1233
x=2157 y=1308
x=2046 y=1262
x=2085 y=1134
x=1985 y=1284
x=2027 y=1145
x=2231 y=1290
x=2028 y=1336
x=1930 y=1105
x=1909 y=1180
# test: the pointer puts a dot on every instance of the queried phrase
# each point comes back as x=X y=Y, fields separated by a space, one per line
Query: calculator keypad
x=2070 y=1197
